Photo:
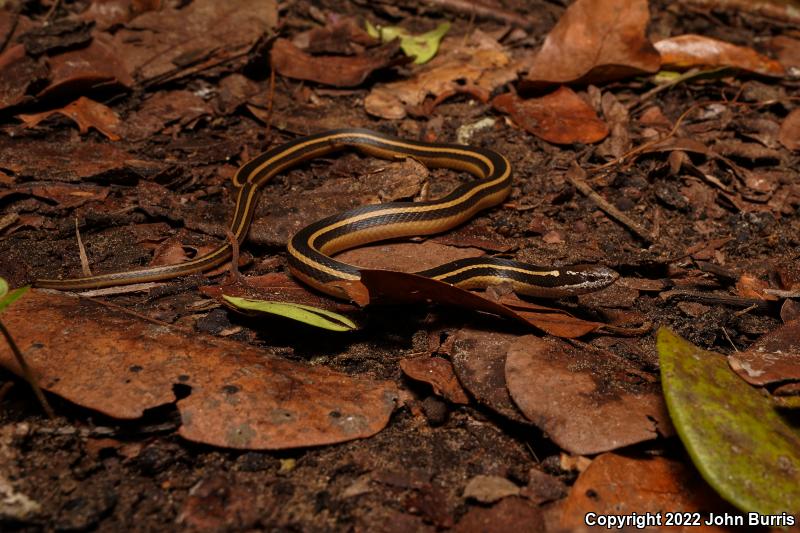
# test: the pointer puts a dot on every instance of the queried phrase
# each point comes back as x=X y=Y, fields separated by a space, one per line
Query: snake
x=310 y=250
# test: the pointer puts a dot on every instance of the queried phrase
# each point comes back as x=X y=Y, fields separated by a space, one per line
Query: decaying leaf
x=773 y=358
x=733 y=433
x=86 y=113
x=587 y=402
x=595 y=40
x=561 y=117
x=241 y=397
x=621 y=485
x=18 y=72
x=686 y=51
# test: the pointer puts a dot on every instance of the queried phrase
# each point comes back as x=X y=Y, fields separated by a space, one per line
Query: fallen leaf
x=170 y=43
x=313 y=316
x=405 y=256
x=786 y=49
x=86 y=113
x=162 y=109
x=421 y=47
x=733 y=433
x=479 y=360
x=387 y=286
x=687 y=51
x=617 y=487
x=241 y=397
x=789 y=134
x=85 y=69
x=45 y=159
x=507 y=516
x=108 y=13
x=586 y=402
x=480 y=63
x=439 y=374
x=341 y=35
x=489 y=489
x=773 y=358
x=561 y=117
x=594 y=41
x=337 y=71
x=18 y=72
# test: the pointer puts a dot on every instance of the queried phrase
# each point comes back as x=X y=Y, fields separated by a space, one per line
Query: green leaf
x=737 y=440
x=421 y=47
x=7 y=298
x=313 y=316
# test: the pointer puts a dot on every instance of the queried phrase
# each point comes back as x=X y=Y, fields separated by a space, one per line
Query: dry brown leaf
x=406 y=256
x=489 y=489
x=162 y=109
x=620 y=485
x=66 y=196
x=789 y=134
x=85 y=69
x=86 y=113
x=480 y=63
x=687 y=51
x=240 y=396
x=479 y=359
x=438 y=373
x=561 y=117
x=387 y=286
x=18 y=71
x=773 y=358
x=587 y=402
x=168 y=43
x=595 y=40
x=337 y=71
x=108 y=13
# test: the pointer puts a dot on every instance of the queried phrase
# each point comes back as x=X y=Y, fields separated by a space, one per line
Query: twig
x=52 y=11
x=575 y=177
x=470 y=7
x=234 y=271
x=26 y=372
x=82 y=252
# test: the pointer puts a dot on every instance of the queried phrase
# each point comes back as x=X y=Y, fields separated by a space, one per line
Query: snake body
x=311 y=248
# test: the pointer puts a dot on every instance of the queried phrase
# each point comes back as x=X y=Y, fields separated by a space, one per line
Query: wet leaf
x=337 y=71
x=595 y=40
x=687 y=51
x=421 y=47
x=313 y=316
x=622 y=485
x=773 y=358
x=86 y=113
x=734 y=435
x=586 y=401
x=561 y=117
x=241 y=397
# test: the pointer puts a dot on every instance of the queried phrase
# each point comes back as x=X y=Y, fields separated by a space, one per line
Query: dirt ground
x=712 y=226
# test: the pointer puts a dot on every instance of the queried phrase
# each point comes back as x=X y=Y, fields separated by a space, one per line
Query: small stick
x=87 y=271
x=26 y=372
x=575 y=177
x=234 y=256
